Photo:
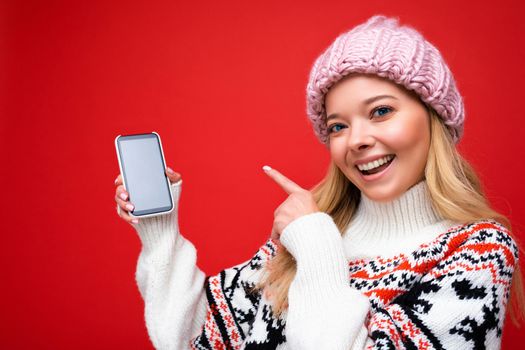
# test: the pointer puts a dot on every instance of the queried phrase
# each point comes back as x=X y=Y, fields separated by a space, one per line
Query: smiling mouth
x=377 y=169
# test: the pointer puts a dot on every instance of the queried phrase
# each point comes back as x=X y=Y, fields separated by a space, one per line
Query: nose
x=361 y=137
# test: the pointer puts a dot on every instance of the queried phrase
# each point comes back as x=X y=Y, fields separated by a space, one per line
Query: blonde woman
x=396 y=248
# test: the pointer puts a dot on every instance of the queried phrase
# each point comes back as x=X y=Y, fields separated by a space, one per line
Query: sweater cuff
x=159 y=230
x=316 y=244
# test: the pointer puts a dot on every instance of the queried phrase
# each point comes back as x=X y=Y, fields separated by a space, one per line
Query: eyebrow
x=365 y=102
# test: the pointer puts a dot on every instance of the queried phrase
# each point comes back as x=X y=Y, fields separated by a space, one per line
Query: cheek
x=408 y=135
x=337 y=153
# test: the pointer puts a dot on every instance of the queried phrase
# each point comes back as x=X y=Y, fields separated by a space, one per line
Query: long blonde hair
x=456 y=193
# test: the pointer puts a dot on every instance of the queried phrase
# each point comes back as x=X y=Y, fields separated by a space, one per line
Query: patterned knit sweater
x=400 y=277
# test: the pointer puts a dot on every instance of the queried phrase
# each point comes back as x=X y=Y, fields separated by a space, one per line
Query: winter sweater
x=399 y=277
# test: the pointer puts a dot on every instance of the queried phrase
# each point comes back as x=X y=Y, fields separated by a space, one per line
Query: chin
x=383 y=198
x=382 y=194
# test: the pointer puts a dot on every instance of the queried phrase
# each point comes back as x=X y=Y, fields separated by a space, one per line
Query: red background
x=223 y=83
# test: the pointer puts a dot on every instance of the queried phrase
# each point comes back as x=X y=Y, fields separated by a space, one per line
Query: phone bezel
x=157 y=211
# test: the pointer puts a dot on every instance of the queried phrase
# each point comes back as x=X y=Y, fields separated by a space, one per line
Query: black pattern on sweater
x=451 y=292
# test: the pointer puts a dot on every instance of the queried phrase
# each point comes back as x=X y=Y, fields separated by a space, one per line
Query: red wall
x=224 y=85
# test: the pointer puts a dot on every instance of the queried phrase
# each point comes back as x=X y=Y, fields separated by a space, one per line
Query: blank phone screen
x=143 y=171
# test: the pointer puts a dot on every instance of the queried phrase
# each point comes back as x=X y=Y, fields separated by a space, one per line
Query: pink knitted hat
x=382 y=47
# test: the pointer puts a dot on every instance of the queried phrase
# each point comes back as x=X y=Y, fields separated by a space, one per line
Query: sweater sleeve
x=459 y=303
x=324 y=312
x=169 y=280
x=184 y=308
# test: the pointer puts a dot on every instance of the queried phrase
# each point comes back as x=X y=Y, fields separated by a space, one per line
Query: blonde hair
x=456 y=194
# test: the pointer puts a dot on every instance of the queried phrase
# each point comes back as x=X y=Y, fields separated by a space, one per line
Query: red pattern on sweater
x=471 y=263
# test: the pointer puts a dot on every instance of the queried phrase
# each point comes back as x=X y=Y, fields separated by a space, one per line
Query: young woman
x=397 y=247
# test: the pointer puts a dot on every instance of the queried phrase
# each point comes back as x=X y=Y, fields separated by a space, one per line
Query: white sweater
x=184 y=309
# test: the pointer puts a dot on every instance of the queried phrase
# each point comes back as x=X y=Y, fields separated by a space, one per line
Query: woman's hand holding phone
x=122 y=197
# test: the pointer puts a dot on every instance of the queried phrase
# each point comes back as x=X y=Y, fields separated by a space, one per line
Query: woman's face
x=379 y=135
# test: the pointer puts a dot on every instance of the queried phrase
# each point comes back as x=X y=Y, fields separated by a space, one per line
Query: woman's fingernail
x=266 y=168
x=170 y=170
x=135 y=221
x=129 y=207
x=116 y=180
x=123 y=196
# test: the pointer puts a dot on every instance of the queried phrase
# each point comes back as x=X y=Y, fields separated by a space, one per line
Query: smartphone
x=142 y=166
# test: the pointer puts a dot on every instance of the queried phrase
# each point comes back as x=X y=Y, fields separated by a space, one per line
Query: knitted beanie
x=399 y=53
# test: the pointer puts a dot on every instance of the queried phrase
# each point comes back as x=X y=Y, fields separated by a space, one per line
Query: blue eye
x=383 y=110
x=331 y=128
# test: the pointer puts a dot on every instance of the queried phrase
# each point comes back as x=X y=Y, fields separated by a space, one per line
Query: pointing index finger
x=286 y=184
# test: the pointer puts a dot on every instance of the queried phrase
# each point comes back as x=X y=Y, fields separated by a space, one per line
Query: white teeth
x=375 y=163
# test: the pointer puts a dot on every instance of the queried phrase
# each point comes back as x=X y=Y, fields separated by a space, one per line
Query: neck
x=389 y=228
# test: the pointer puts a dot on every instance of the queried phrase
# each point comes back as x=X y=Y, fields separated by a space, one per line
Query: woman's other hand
x=299 y=202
